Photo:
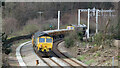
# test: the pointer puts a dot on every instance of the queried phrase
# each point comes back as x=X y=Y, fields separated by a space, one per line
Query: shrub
x=103 y=39
x=98 y=39
x=117 y=30
x=68 y=42
x=83 y=43
x=82 y=57
x=80 y=35
x=72 y=38
x=6 y=48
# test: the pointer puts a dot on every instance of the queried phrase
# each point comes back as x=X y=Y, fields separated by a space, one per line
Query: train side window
x=42 y=40
x=49 y=40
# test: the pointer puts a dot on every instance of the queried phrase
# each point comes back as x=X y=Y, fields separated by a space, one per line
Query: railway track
x=45 y=59
x=62 y=59
x=67 y=59
x=56 y=56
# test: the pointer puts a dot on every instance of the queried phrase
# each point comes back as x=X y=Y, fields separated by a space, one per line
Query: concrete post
x=110 y=13
x=58 y=19
x=78 y=16
x=94 y=11
x=88 y=23
x=96 y=21
x=102 y=12
x=113 y=62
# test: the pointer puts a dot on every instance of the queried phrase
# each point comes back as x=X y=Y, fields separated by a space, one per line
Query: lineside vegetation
x=72 y=38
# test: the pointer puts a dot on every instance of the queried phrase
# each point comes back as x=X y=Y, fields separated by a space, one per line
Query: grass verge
x=89 y=62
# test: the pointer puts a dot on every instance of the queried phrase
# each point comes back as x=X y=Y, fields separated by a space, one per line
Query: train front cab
x=70 y=27
x=45 y=43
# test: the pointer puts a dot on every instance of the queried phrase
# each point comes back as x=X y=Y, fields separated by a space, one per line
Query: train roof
x=45 y=34
x=50 y=31
x=39 y=34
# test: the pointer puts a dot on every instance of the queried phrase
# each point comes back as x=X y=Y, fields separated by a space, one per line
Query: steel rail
x=41 y=58
x=45 y=61
x=67 y=56
x=56 y=63
x=62 y=59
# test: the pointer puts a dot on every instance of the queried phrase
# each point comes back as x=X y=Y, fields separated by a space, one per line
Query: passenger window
x=42 y=40
x=49 y=40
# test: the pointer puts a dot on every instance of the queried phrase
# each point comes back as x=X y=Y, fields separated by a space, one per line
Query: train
x=43 y=41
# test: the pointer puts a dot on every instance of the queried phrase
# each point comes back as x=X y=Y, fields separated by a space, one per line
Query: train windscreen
x=42 y=40
x=49 y=40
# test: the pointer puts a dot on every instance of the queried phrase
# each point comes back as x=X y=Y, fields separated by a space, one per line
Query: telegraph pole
x=40 y=14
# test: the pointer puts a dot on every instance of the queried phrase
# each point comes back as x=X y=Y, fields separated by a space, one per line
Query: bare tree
x=9 y=25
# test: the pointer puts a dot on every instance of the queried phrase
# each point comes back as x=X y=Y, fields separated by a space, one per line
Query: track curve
x=66 y=59
x=56 y=59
